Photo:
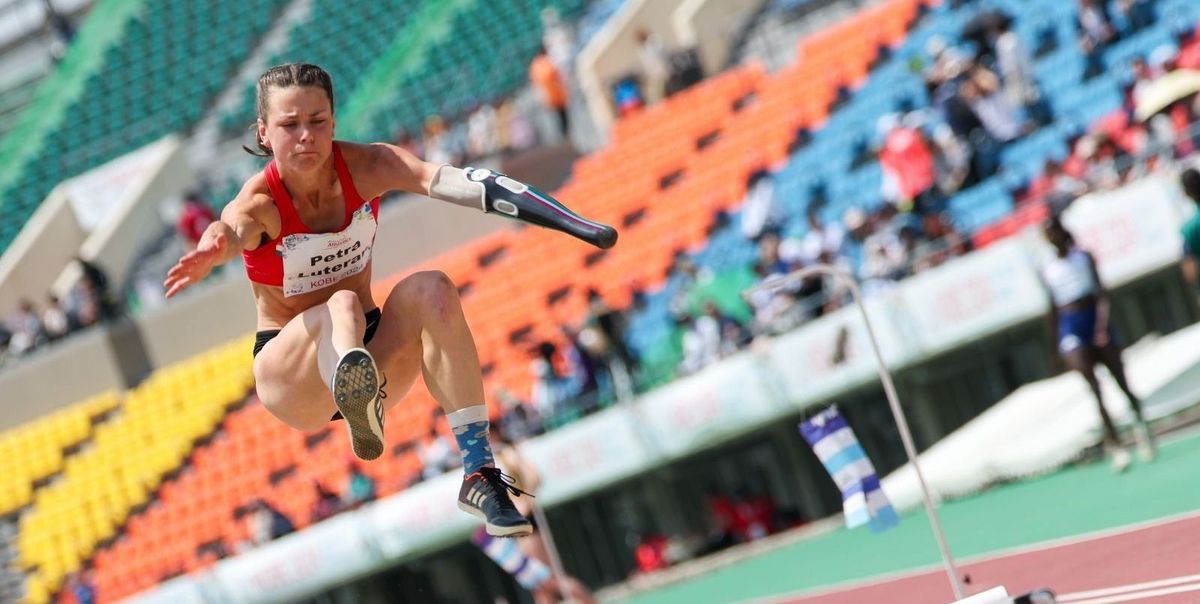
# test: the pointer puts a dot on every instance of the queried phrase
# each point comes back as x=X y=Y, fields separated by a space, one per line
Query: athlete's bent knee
x=345 y=301
x=435 y=292
x=434 y=285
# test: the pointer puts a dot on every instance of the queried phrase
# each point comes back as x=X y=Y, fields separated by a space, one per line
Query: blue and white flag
x=863 y=501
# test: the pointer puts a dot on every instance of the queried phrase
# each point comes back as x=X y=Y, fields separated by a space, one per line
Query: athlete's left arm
x=488 y=191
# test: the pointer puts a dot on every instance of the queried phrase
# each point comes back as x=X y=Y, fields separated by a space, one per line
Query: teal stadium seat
x=156 y=78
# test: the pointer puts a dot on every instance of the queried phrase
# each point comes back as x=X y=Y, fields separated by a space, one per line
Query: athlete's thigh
x=288 y=381
x=396 y=348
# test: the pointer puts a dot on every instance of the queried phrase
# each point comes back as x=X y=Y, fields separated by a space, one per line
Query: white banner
x=298 y=564
x=832 y=353
x=420 y=517
x=587 y=455
x=1131 y=232
x=972 y=297
x=695 y=412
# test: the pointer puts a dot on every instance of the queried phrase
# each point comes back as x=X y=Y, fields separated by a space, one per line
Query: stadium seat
x=155 y=79
x=154 y=432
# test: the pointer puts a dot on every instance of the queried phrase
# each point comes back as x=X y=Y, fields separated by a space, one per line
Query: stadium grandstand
x=925 y=149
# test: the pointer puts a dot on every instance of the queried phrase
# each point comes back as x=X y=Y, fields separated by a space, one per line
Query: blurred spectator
x=884 y=257
x=907 y=165
x=1143 y=78
x=91 y=298
x=655 y=63
x=327 y=504
x=1015 y=65
x=266 y=523
x=911 y=242
x=612 y=324
x=651 y=553
x=437 y=141
x=946 y=62
x=582 y=370
x=952 y=161
x=482 y=132
x=27 y=329
x=551 y=88
x=753 y=516
x=1100 y=155
x=627 y=95
x=1055 y=187
x=518 y=421
x=1095 y=23
x=516 y=132
x=857 y=227
x=64 y=32
x=194 y=218
x=761 y=210
x=981 y=91
x=1095 y=32
x=55 y=321
x=5 y=339
x=550 y=388
x=79 y=588
x=941 y=241
x=770 y=254
x=1189 y=180
x=360 y=487
x=722 y=519
x=557 y=39
x=709 y=338
x=821 y=238
x=438 y=454
x=613 y=380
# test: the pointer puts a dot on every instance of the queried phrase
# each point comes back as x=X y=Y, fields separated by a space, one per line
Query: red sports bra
x=300 y=260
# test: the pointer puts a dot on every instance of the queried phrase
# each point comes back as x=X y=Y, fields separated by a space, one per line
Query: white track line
x=1142 y=595
x=853 y=584
x=1109 y=591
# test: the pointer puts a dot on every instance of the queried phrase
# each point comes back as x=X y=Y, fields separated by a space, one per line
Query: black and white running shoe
x=484 y=494
x=357 y=393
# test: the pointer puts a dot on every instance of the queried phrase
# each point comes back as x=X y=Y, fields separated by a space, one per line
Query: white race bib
x=312 y=261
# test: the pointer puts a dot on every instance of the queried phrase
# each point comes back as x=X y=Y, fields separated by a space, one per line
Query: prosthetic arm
x=494 y=192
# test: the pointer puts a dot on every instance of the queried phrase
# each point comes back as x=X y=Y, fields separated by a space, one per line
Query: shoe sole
x=356 y=395
x=520 y=530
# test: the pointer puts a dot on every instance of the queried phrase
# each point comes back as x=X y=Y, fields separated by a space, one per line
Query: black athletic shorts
x=262 y=337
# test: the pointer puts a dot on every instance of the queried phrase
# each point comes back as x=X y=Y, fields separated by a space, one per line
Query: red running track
x=1164 y=555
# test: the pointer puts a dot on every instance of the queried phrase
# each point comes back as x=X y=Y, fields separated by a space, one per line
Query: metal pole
x=889 y=389
x=543 y=533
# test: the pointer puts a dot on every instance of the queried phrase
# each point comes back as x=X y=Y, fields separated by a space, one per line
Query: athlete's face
x=299 y=128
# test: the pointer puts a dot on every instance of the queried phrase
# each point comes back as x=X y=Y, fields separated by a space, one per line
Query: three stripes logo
x=476 y=496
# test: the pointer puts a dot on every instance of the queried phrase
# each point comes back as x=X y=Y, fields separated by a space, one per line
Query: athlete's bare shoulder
x=379 y=168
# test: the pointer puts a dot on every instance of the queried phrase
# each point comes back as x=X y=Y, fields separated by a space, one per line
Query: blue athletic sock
x=470 y=427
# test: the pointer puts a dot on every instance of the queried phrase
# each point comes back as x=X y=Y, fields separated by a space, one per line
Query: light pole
x=889 y=389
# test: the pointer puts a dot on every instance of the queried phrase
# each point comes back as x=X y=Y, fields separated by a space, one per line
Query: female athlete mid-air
x=305 y=227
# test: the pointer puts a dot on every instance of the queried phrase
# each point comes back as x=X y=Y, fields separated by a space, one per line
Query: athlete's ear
x=262 y=135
